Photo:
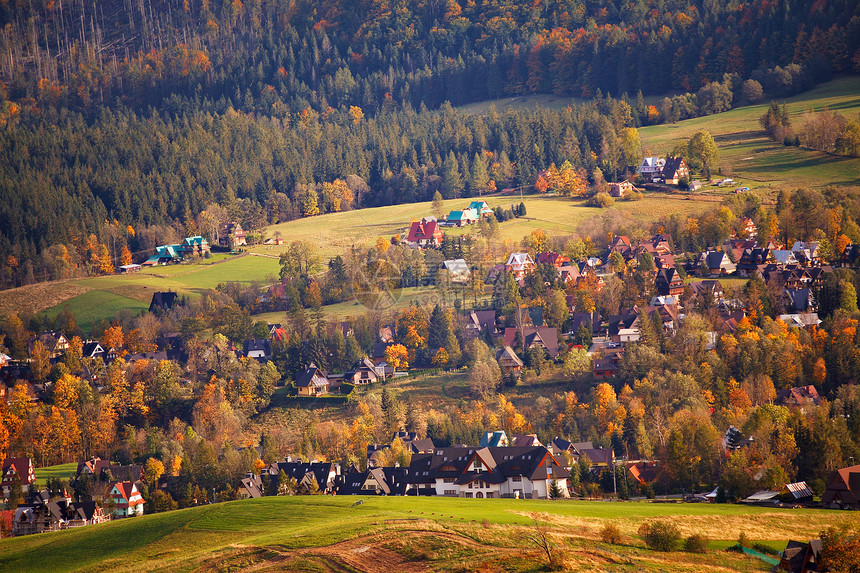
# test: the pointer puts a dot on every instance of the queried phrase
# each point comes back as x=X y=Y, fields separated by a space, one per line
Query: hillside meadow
x=745 y=150
x=746 y=154
x=320 y=533
x=95 y=298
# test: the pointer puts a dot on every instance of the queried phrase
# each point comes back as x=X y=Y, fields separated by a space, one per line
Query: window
x=451 y=492
x=517 y=479
x=449 y=480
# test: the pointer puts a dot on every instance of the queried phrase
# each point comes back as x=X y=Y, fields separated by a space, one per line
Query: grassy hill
x=93 y=299
x=413 y=534
x=745 y=150
x=746 y=154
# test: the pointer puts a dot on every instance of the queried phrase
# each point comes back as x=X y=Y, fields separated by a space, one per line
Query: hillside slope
x=413 y=534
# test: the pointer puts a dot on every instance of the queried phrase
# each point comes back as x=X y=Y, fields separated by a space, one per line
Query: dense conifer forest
x=132 y=117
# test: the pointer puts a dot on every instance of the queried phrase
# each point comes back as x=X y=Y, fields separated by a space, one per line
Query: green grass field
x=293 y=526
x=746 y=152
x=93 y=299
x=62 y=471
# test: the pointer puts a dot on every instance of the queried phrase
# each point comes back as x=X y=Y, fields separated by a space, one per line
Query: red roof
x=424 y=231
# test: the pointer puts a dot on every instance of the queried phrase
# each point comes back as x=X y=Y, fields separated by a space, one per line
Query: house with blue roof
x=480 y=208
x=462 y=218
x=190 y=246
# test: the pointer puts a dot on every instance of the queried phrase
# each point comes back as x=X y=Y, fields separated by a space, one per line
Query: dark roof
x=305 y=379
x=299 y=470
x=162 y=301
x=672 y=165
x=797 y=396
x=257 y=345
x=254 y=486
x=501 y=463
x=548 y=336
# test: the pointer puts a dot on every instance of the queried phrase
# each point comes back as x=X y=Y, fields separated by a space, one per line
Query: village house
x=800 y=557
x=480 y=323
x=620 y=189
x=674 y=170
x=462 y=218
x=162 y=301
x=604 y=368
x=669 y=283
x=799 y=397
x=481 y=208
x=714 y=263
x=231 y=235
x=543 y=337
x=424 y=233
x=374 y=481
x=97 y=469
x=251 y=487
x=551 y=258
x=458 y=271
x=621 y=244
x=127 y=501
x=519 y=265
x=364 y=372
x=489 y=472
x=39 y=515
x=843 y=488
x=312 y=382
x=257 y=348
x=310 y=476
x=509 y=362
x=17 y=471
x=189 y=247
x=708 y=289
x=55 y=343
x=651 y=168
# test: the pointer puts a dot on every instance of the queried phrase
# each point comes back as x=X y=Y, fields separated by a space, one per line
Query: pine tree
x=452 y=181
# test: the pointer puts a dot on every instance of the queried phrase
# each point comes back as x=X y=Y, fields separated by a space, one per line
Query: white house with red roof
x=127 y=499
x=424 y=233
x=17 y=470
x=519 y=265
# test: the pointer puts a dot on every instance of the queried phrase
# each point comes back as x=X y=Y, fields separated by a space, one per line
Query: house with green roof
x=190 y=246
x=480 y=208
x=462 y=218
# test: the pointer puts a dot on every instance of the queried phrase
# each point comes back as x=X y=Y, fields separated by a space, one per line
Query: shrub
x=696 y=543
x=743 y=540
x=647 y=490
x=660 y=535
x=634 y=196
x=601 y=200
x=610 y=533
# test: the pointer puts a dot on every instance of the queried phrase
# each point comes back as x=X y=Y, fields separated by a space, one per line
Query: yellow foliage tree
x=397 y=356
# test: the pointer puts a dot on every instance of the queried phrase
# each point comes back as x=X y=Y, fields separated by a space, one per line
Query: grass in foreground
x=267 y=530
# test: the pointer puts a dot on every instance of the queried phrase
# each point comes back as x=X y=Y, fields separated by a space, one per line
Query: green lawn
x=62 y=471
x=103 y=297
x=746 y=152
x=179 y=540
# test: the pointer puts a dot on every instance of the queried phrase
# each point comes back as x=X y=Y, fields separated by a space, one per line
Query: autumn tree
x=397 y=356
x=702 y=147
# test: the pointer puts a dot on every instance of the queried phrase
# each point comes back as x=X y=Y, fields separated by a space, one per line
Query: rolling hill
x=319 y=533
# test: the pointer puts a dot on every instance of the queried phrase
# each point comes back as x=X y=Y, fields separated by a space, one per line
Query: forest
x=129 y=119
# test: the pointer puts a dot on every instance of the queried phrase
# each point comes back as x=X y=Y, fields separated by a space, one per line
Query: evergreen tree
x=452 y=181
